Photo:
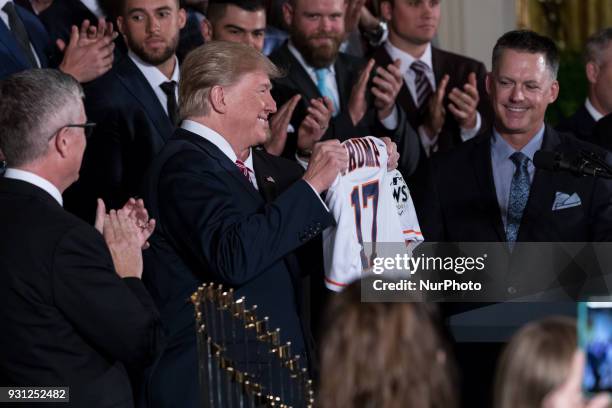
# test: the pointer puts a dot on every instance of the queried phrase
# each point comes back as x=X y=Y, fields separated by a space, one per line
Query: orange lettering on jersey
x=362 y=153
x=376 y=153
x=351 y=152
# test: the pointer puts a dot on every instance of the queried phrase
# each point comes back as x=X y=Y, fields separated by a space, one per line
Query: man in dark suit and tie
x=489 y=190
x=25 y=44
x=361 y=98
x=598 y=69
x=73 y=310
x=443 y=94
x=135 y=106
x=227 y=213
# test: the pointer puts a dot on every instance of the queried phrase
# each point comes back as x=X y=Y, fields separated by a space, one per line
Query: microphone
x=577 y=164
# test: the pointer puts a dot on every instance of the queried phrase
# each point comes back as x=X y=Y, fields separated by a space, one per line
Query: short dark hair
x=596 y=45
x=118 y=8
x=216 y=8
x=530 y=42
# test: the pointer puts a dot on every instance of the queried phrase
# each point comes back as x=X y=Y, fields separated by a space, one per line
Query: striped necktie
x=246 y=172
x=421 y=82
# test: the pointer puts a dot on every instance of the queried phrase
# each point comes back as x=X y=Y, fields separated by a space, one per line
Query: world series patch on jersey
x=372 y=208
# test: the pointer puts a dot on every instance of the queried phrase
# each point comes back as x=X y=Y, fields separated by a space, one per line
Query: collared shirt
x=389 y=122
x=223 y=145
x=94 y=7
x=406 y=60
x=38 y=181
x=5 y=20
x=3 y=15
x=504 y=168
x=155 y=78
x=595 y=114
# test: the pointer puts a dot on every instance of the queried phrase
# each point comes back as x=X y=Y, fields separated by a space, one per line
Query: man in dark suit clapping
x=73 y=310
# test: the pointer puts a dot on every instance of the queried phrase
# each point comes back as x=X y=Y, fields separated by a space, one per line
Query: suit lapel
x=483 y=171
x=264 y=175
x=299 y=76
x=542 y=188
x=222 y=159
x=437 y=62
x=6 y=37
x=39 y=44
x=342 y=76
x=135 y=82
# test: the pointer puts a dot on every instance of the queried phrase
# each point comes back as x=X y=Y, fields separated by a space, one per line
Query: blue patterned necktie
x=324 y=90
x=519 y=192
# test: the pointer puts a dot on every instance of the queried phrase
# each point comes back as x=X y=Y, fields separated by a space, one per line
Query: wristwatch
x=378 y=35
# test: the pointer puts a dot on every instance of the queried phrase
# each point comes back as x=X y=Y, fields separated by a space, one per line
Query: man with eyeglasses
x=73 y=310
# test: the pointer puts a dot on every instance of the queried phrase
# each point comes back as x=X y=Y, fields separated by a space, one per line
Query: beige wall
x=471 y=27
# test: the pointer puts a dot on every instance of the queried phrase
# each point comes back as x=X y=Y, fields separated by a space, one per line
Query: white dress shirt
x=223 y=145
x=155 y=78
x=595 y=114
x=406 y=60
x=94 y=7
x=5 y=20
x=3 y=15
x=38 y=181
x=389 y=122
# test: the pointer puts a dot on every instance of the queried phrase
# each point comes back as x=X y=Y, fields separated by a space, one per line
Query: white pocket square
x=563 y=201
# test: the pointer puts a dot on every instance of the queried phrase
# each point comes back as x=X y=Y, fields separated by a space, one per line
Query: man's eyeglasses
x=87 y=127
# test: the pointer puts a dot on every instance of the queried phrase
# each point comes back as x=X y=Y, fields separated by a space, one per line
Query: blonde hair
x=384 y=355
x=217 y=63
x=536 y=360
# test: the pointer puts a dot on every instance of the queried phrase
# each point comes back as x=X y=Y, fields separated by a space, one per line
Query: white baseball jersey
x=363 y=203
x=405 y=209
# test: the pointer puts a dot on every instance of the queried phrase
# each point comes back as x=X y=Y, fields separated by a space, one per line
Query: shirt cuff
x=467 y=134
x=390 y=122
x=430 y=145
x=301 y=161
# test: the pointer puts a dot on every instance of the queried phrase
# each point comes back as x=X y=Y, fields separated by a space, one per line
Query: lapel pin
x=270 y=179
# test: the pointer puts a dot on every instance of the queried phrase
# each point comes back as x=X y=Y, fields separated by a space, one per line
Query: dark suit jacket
x=132 y=127
x=458 y=68
x=463 y=206
x=61 y=15
x=347 y=70
x=214 y=226
x=12 y=58
x=580 y=124
x=602 y=133
x=67 y=318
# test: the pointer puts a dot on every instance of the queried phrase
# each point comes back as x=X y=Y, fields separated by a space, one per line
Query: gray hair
x=596 y=45
x=34 y=104
x=217 y=63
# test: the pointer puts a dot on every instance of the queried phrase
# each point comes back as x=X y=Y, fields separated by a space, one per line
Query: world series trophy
x=242 y=363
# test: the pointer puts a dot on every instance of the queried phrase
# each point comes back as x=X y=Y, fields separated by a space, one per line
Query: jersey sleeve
x=405 y=208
